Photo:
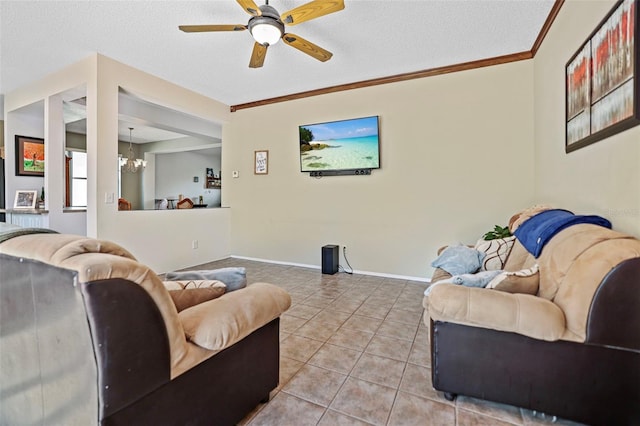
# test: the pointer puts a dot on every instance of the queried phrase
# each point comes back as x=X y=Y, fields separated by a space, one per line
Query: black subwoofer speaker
x=330 y=259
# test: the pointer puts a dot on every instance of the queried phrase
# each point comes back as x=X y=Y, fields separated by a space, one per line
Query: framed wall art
x=602 y=90
x=25 y=199
x=261 y=162
x=29 y=156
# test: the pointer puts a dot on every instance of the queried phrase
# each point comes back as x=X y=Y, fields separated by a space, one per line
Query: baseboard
x=355 y=271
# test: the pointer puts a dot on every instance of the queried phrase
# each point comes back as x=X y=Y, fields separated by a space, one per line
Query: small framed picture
x=261 y=163
x=25 y=199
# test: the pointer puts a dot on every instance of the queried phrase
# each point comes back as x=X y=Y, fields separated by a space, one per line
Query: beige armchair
x=91 y=336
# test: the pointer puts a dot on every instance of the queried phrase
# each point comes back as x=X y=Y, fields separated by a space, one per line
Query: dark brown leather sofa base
x=597 y=385
x=134 y=367
x=219 y=391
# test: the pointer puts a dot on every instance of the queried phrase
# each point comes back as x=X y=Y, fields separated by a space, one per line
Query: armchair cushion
x=520 y=313
x=219 y=323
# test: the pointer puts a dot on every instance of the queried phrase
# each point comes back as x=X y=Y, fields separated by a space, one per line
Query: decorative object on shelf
x=41 y=201
x=602 y=80
x=213 y=180
x=29 y=156
x=261 y=162
x=130 y=163
x=25 y=199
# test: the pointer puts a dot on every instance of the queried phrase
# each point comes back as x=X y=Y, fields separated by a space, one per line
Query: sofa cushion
x=559 y=255
x=519 y=258
x=458 y=260
x=439 y=274
x=519 y=313
x=219 y=323
x=496 y=252
x=523 y=281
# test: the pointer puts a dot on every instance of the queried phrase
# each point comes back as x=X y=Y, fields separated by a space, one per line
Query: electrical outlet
x=194 y=244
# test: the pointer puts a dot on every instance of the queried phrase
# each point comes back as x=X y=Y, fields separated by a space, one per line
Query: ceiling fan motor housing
x=269 y=16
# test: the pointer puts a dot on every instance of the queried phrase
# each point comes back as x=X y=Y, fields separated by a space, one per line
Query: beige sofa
x=91 y=336
x=571 y=350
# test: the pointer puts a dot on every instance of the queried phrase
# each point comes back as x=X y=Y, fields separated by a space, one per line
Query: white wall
x=131 y=183
x=175 y=173
x=25 y=121
x=45 y=120
x=456 y=154
x=162 y=240
x=602 y=178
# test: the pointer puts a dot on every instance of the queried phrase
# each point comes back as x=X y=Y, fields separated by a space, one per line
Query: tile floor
x=354 y=351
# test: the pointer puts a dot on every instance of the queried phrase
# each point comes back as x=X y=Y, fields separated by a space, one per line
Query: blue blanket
x=534 y=233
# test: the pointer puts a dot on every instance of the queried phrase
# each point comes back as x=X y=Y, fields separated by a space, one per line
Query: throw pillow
x=496 y=252
x=234 y=277
x=458 y=260
x=524 y=281
x=186 y=298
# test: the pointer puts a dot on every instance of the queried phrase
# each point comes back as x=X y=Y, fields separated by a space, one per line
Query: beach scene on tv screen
x=340 y=145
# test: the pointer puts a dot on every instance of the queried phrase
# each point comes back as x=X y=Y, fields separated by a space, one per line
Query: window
x=78 y=174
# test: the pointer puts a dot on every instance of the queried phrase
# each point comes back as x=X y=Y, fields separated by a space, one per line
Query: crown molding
x=514 y=57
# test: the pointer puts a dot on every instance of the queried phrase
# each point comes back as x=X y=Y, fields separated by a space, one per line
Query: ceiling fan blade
x=258 y=55
x=206 y=28
x=307 y=47
x=250 y=7
x=311 y=10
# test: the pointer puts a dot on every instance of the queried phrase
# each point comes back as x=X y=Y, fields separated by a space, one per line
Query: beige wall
x=603 y=178
x=456 y=155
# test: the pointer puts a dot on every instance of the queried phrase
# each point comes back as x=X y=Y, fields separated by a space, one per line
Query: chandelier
x=130 y=163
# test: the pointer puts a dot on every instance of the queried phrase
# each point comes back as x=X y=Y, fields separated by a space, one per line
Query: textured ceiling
x=369 y=39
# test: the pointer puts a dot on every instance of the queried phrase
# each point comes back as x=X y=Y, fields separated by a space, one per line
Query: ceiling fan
x=267 y=27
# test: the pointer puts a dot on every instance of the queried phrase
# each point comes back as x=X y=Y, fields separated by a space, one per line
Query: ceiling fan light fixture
x=266 y=31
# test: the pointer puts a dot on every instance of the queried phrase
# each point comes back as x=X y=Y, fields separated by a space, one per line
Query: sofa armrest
x=519 y=313
x=219 y=323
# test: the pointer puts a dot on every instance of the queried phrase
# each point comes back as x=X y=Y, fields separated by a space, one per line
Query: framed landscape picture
x=602 y=90
x=29 y=156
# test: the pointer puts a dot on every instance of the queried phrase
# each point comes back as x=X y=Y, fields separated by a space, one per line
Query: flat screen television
x=340 y=146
